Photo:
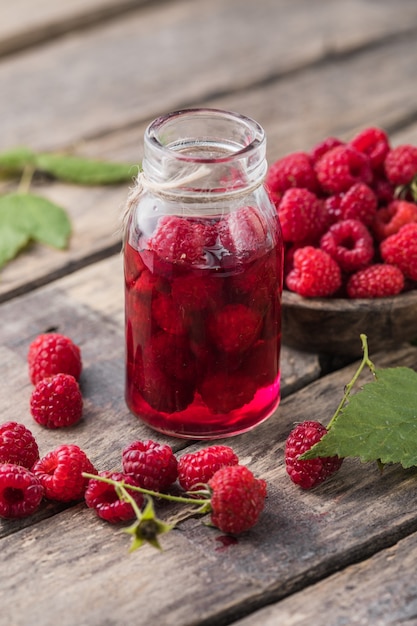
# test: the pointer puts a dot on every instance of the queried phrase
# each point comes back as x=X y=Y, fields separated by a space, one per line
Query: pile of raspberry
x=348 y=214
x=235 y=496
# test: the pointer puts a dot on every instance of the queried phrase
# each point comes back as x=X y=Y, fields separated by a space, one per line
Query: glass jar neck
x=197 y=152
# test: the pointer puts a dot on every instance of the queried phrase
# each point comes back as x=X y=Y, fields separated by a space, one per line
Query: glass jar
x=203 y=260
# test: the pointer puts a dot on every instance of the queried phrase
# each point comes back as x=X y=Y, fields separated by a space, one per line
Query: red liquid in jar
x=203 y=335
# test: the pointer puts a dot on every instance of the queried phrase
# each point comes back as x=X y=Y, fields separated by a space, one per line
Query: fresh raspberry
x=243 y=232
x=373 y=142
x=53 y=353
x=18 y=445
x=180 y=240
x=308 y=473
x=103 y=498
x=20 y=491
x=324 y=146
x=60 y=473
x=153 y=465
x=340 y=168
x=237 y=499
x=359 y=203
x=384 y=190
x=401 y=250
x=333 y=209
x=299 y=214
x=234 y=328
x=56 y=401
x=314 y=274
x=349 y=243
x=293 y=170
x=196 y=468
x=401 y=164
x=223 y=394
x=391 y=218
x=376 y=281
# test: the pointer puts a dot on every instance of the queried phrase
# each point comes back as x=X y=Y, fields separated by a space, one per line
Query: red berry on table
x=391 y=218
x=324 y=146
x=56 y=401
x=373 y=142
x=17 y=445
x=401 y=250
x=237 y=499
x=300 y=213
x=53 y=353
x=311 y=472
x=198 y=467
x=376 y=281
x=60 y=473
x=314 y=273
x=340 y=168
x=293 y=170
x=350 y=244
x=401 y=164
x=103 y=498
x=20 y=491
x=153 y=465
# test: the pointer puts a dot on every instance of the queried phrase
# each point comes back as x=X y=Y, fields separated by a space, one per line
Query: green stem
x=155 y=494
x=26 y=179
x=348 y=388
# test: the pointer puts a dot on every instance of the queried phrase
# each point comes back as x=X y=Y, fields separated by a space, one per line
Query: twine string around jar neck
x=169 y=189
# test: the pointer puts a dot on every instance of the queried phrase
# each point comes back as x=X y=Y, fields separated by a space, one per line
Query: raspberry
x=390 y=219
x=168 y=315
x=359 y=203
x=53 y=353
x=234 y=328
x=56 y=401
x=196 y=468
x=172 y=354
x=384 y=191
x=376 y=281
x=17 y=445
x=314 y=274
x=243 y=232
x=324 y=146
x=340 y=168
x=292 y=170
x=299 y=214
x=180 y=240
x=401 y=250
x=237 y=499
x=349 y=243
x=153 y=465
x=20 y=491
x=309 y=473
x=60 y=473
x=104 y=499
x=374 y=143
x=401 y=164
x=223 y=394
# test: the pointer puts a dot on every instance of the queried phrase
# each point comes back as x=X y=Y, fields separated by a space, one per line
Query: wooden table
x=89 y=75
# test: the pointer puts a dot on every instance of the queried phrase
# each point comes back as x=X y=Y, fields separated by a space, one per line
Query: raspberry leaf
x=379 y=423
x=83 y=171
x=14 y=161
x=25 y=217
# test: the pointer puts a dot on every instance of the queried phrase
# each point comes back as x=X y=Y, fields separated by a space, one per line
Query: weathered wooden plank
x=379 y=591
x=26 y=23
x=176 y=54
x=302 y=536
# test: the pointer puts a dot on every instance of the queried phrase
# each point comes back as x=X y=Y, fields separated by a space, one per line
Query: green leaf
x=13 y=162
x=26 y=217
x=83 y=171
x=378 y=424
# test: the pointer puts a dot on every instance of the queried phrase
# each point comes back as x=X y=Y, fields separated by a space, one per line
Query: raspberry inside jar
x=203 y=283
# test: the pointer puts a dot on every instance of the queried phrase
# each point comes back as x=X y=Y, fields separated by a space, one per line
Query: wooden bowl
x=334 y=325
